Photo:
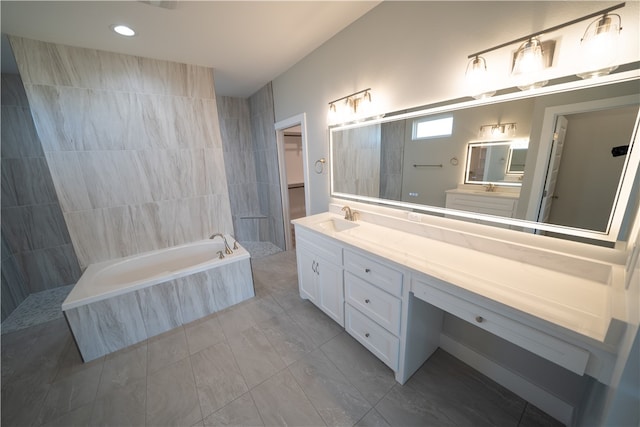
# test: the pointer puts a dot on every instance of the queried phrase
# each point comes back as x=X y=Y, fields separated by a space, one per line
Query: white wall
x=415 y=53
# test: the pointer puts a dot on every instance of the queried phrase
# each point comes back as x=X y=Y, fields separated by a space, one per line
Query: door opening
x=292 y=163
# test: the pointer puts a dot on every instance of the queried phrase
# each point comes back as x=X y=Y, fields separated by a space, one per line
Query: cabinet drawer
x=549 y=347
x=375 y=303
x=319 y=246
x=376 y=339
x=372 y=271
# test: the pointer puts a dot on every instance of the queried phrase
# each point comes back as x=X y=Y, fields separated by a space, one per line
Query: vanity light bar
x=548 y=30
x=366 y=92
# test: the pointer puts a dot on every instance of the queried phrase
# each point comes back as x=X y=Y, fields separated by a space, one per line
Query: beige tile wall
x=133 y=145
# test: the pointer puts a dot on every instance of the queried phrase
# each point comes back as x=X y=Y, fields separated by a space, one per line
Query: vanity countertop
x=576 y=303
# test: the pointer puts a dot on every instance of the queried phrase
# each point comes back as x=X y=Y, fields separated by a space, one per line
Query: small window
x=432 y=128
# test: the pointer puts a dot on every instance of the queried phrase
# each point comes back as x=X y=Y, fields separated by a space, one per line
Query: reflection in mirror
x=497 y=163
x=383 y=161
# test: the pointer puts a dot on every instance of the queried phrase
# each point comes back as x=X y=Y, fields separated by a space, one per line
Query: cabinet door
x=307 y=276
x=330 y=290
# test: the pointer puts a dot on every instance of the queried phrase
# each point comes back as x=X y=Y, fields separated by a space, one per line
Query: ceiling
x=247 y=43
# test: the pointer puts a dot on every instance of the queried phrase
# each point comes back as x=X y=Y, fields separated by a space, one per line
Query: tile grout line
x=305 y=393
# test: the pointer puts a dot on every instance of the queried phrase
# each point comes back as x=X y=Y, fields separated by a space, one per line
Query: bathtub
x=121 y=302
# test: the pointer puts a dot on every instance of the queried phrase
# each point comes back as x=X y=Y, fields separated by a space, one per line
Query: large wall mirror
x=565 y=160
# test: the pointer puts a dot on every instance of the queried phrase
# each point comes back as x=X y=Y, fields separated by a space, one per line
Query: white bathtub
x=120 y=302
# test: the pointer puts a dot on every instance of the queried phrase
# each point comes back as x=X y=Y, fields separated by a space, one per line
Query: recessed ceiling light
x=123 y=30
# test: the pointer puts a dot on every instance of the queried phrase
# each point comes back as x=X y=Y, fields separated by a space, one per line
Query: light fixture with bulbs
x=497 y=131
x=598 y=45
x=356 y=106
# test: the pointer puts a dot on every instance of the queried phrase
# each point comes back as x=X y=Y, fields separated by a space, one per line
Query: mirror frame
x=623 y=193
x=473 y=144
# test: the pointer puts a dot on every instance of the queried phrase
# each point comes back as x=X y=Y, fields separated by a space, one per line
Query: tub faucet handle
x=220 y=255
x=227 y=249
x=235 y=245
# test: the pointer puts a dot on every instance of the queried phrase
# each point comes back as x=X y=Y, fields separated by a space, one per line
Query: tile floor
x=272 y=360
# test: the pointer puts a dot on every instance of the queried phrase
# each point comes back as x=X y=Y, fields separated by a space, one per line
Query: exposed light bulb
x=599 y=47
x=478 y=79
x=529 y=64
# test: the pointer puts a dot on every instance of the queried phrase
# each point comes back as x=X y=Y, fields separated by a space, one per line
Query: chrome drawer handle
x=479 y=319
x=367 y=270
x=367 y=301
x=367 y=335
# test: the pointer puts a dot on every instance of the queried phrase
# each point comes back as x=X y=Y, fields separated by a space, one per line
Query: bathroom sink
x=337 y=225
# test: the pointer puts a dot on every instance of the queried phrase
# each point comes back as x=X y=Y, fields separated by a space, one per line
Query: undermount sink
x=338 y=224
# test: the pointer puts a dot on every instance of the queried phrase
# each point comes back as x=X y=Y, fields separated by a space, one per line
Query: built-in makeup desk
x=389 y=289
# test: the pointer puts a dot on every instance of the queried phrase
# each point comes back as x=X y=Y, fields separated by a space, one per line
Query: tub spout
x=227 y=249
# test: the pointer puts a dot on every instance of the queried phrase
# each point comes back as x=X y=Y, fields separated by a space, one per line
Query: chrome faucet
x=350 y=215
x=227 y=249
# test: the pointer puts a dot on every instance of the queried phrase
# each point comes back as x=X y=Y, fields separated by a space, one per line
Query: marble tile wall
x=391 y=157
x=266 y=159
x=251 y=159
x=102 y=327
x=235 y=128
x=357 y=166
x=133 y=145
x=36 y=247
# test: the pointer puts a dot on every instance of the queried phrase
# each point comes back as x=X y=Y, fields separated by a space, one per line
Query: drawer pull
x=367 y=335
x=367 y=270
x=479 y=319
x=367 y=301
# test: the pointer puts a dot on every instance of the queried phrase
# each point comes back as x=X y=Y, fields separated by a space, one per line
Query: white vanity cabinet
x=320 y=273
x=490 y=203
x=373 y=293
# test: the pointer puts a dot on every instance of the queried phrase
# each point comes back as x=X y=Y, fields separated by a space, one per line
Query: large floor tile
x=317 y=325
x=123 y=367
x=464 y=393
x=373 y=419
x=288 y=339
x=172 y=399
x=122 y=407
x=236 y=319
x=203 y=333
x=288 y=299
x=70 y=393
x=404 y=406
x=71 y=362
x=256 y=357
x=240 y=412
x=281 y=402
x=165 y=349
x=262 y=309
x=21 y=402
x=366 y=372
x=218 y=377
x=337 y=401
x=80 y=417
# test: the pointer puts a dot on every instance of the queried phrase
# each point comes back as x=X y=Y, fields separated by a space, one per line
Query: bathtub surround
x=36 y=248
x=251 y=160
x=133 y=145
x=103 y=326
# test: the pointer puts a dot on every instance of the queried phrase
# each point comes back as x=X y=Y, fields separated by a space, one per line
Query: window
x=425 y=128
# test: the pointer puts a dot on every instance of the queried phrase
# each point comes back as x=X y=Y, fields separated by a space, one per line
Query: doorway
x=294 y=178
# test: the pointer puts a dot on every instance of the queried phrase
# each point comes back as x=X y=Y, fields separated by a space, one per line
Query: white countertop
x=504 y=194
x=578 y=304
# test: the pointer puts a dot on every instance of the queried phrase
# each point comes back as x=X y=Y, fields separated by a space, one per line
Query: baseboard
x=552 y=405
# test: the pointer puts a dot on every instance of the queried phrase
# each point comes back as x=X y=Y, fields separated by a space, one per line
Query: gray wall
x=251 y=159
x=36 y=248
x=133 y=145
